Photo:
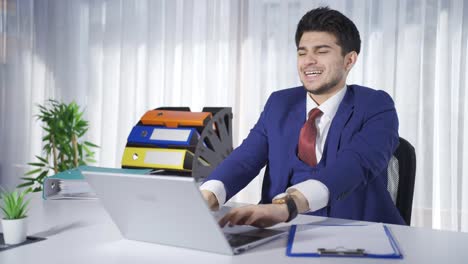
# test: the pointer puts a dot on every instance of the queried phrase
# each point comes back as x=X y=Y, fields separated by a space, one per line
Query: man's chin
x=321 y=89
x=316 y=91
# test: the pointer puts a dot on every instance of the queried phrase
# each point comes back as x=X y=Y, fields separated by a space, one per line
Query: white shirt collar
x=329 y=107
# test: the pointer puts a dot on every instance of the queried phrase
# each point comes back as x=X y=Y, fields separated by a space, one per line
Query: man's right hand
x=211 y=200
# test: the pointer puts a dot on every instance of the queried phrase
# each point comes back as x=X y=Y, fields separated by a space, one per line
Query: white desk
x=82 y=232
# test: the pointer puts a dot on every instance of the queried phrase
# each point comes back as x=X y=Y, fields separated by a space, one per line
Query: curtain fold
x=119 y=58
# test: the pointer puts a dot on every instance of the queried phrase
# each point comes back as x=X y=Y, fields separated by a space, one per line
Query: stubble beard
x=325 y=88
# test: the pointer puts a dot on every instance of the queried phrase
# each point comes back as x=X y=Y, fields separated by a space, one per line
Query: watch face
x=280 y=198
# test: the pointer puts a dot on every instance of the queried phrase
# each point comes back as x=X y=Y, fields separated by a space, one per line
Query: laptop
x=170 y=210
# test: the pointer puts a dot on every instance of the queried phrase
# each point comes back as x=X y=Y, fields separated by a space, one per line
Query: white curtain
x=118 y=59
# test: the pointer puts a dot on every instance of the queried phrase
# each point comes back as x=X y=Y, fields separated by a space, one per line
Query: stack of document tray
x=180 y=142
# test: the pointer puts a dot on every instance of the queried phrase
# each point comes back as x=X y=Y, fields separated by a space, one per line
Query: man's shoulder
x=363 y=93
x=288 y=93
x=363 y=90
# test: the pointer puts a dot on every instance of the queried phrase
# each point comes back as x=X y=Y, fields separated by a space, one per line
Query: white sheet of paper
x=372 y=238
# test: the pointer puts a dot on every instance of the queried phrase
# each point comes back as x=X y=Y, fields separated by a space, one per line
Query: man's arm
x=301 y=201
x=264 y=215
x=241 y=166
x=210 y=199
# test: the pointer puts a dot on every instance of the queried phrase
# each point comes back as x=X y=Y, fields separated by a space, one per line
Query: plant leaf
x=28 y=178
x=33 y=172
x=87 y=143
x=42 y=159
x=41 y=176
x=36 y=164
x=25 y=184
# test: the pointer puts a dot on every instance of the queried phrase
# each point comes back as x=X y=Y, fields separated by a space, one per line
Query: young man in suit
x=326 y=144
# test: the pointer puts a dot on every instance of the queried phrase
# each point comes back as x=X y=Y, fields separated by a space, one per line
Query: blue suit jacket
x=361 y=140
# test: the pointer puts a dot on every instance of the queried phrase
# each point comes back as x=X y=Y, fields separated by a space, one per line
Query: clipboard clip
x=340 y=251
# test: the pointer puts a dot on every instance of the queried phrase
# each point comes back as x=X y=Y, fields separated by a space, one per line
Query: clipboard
x=314 y=240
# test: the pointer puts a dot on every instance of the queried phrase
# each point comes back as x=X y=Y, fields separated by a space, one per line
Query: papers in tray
x=373 y=241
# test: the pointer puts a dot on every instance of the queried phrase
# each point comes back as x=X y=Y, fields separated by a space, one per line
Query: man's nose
x=310 y=59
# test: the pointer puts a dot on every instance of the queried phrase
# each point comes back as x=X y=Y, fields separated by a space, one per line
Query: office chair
x=401 y=173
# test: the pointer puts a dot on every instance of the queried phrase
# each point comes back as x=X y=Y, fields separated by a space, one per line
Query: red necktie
x=307 y=138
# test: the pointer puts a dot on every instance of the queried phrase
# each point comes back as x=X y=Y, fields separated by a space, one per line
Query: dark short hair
x=324 y=19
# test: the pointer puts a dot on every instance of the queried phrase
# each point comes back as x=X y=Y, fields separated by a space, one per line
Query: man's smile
x=312 y=74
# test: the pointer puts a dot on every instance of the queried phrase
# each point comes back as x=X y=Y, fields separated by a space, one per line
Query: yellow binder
x=157 y=158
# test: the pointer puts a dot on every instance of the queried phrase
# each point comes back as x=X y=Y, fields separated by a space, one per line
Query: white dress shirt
x=314 y=191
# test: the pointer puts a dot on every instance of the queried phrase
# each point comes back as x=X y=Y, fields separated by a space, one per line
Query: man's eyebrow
x=322 y=46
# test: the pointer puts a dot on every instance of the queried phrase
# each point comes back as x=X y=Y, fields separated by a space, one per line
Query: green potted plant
x=14 y=224
x=63 y=148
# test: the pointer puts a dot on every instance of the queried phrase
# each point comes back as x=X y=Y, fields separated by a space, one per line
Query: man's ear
x=350 y=59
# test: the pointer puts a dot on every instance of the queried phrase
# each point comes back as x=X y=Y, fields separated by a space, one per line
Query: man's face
x=321 y=65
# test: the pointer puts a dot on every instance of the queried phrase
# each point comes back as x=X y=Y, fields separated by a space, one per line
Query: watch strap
x=292 y=208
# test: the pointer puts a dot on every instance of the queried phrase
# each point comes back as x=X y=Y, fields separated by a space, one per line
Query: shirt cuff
x=315 y=192
x=217 y=188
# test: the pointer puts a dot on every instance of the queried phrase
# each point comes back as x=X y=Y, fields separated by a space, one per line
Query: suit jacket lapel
x=297 y=116
x=339 y=121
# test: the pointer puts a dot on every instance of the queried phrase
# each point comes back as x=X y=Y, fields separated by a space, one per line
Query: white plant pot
x=14 y=230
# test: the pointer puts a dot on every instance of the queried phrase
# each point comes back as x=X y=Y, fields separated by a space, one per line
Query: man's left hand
x=262 y=215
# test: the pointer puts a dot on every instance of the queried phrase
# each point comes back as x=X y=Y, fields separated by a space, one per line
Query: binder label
x=170 y=134
x=168 y=158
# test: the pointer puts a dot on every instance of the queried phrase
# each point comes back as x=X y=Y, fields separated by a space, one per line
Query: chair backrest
x=401 y=173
